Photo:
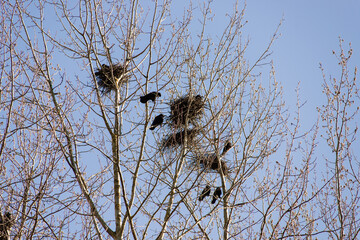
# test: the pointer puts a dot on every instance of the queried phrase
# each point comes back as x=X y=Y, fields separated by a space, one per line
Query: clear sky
x=309 y=33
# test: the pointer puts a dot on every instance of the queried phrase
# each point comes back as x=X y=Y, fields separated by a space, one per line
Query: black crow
x=227 y=146
x=216 y=195
x=158 y=120
x=150 y=96
x=205 y=193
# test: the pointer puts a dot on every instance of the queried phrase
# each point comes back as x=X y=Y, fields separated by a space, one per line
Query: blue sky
x=309 y=33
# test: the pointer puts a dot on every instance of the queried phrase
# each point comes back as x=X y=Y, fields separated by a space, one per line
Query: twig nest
x=186 y=109
x=108 y=77
x=178 y=138
x=212 y=162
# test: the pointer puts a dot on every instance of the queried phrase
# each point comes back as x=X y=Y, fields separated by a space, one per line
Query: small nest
x=178 y=139
x=212 y=162
x=186 y=109
x=105 y=80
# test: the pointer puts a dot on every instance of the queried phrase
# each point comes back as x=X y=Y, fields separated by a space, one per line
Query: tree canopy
x=77 y=159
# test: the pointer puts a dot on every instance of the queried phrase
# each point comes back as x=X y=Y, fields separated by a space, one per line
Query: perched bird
x=227 y=147
x=150 y=96
x=216 y=195
x=158 y=120
x=205 y=193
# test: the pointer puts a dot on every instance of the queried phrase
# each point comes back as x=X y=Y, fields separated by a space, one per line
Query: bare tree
x=341 y=200
x=77 y=157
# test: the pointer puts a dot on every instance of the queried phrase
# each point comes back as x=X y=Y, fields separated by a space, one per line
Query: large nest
x=186 y=109
x=108 y=77
x=212 y=162
x=178 y=139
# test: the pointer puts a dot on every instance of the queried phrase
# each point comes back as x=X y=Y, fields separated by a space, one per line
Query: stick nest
x=212 y=162
x=107 y=78
x=186 y=109
x=178 y=139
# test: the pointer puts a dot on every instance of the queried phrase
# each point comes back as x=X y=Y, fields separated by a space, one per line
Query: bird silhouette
x=158 y=120
x=205 y=193
x=216 y=195
x=227 y=147
x=150 y=96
